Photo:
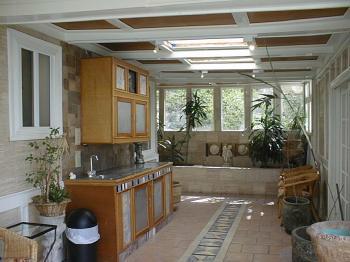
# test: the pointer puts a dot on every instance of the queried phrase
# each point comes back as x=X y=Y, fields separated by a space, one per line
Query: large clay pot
x=331 y=240
x=296 y=213
x=303 y=251
x=176 y=193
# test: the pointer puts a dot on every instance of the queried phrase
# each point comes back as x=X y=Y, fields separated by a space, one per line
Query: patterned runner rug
x=213 y=241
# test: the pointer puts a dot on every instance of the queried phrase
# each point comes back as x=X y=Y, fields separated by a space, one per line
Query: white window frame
x=16 y=41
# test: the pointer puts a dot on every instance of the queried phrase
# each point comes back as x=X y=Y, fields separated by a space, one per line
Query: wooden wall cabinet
x=114 y=102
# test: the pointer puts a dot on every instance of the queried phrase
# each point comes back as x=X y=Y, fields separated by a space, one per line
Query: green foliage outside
x=175 y=100
x=206 y=95
x=232 y=100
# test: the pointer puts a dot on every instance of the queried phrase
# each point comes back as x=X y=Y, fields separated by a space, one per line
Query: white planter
x=57 y=252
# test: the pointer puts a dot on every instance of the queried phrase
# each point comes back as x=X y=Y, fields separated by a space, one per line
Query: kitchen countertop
x=116 y=175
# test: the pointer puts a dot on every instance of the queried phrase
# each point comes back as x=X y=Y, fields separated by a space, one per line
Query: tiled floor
x=258 y=237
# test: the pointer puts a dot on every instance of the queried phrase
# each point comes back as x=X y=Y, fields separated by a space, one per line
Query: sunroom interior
x=184 y=131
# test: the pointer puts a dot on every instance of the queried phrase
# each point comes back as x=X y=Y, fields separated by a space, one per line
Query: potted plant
x=195 y=112
x=266 y=143
x=46 y=174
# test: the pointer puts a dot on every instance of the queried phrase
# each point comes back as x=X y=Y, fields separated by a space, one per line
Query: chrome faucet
x=92 y=172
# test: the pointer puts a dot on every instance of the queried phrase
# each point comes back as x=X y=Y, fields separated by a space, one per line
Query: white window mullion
x=36 y=88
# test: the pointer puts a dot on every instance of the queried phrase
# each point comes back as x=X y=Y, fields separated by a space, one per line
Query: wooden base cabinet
x=114 y=102
x=125 y=210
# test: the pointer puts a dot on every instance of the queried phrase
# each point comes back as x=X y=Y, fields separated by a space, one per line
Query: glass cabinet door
x=158 y=203
x=141 y=118
x=120 y=78
x=141 y=209
x=123 y=114
x=126 y=217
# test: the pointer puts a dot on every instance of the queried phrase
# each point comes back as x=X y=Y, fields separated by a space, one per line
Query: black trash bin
x=82 y=235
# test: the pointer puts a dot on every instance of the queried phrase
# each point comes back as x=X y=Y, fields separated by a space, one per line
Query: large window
x=207 y=96
x=35 y=86
x=175 y=100
x=295 y=94
x=258 y=112
x=232 y=109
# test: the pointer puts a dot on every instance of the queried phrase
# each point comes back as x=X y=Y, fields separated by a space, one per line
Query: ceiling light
x=253 y=75
x=220 y=60
x=252 y=46
x=203 y=72
x=226 y=66
x=202 y=75
x=156 y=49
x=207 y=43
x=211 y=53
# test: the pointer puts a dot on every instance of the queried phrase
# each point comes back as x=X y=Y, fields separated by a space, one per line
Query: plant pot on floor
x=296 y=213
x=303 y=251
x=176 y=193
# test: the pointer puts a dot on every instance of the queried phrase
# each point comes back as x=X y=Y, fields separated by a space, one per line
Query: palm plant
x=266 y=143
x=195 y=113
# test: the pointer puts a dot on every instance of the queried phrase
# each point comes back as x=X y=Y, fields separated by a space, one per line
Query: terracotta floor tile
x=258 y=238
x=255 y=249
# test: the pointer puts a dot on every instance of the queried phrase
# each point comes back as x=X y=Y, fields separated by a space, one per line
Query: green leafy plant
x=299 y=118
x=172 y=149
x=195 y=113
x=45 y=161
x=266 y=143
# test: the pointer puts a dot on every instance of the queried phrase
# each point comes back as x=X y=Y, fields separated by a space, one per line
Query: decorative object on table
x=213 y=149
x=46 y=175
x=267 y=139
x=227 y=154
x=139 y=160
x=16 y=246
x=302 y=249
x=295 y=213
x=331 y=240
x=241 y=150
x=177 y=188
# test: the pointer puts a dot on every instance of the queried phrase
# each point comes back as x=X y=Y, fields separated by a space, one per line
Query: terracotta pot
x=51 y=209
x=176 y=192
x=331 y=240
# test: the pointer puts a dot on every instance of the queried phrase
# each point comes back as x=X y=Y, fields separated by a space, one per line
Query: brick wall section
x=12 y=154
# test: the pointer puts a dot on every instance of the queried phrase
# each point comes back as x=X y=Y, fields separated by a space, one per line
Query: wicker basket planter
x=51 y=209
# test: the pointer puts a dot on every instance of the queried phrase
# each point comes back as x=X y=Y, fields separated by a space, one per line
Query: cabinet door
x=143 y=85
x=141 y=118
x=124 y=117
x=158 y=199
x=126 y=217
x=141 y=205
x=132 y=81
x=120 y=78
x=168 y=194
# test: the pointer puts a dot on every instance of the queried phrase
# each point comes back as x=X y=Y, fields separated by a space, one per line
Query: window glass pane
x=175 y=100
x=27 y=88
x=44 y=90
x=206 y=95
x=295 y=95
x=257 y=113
x=232 y=108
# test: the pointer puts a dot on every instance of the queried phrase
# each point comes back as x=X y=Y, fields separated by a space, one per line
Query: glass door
x=141 y=205
x=123 y=117
x=141 y=118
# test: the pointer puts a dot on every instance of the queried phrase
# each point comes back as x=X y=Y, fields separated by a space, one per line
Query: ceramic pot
x=176 y=193
x=331 y=240
x=303 y=251
x=296 y=213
